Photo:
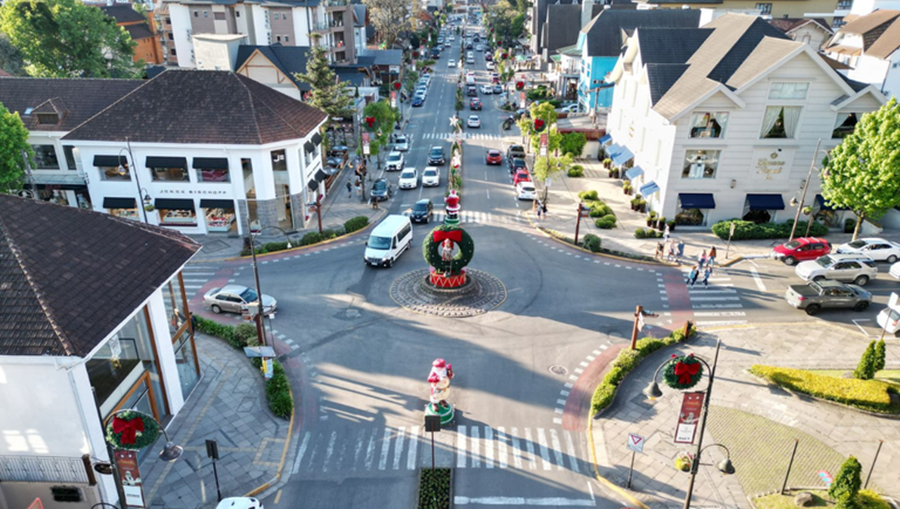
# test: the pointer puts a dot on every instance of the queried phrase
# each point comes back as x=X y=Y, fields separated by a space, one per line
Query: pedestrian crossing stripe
x=474 y=217
x=464 y=135
x=720 y=295
x=403 y=448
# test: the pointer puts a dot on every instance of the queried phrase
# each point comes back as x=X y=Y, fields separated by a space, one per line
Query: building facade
x=870 y=45
x=725 y=123
x=148 y=47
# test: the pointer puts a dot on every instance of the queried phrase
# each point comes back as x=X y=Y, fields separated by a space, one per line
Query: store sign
x=394 y=69
x=771 y=163
x=194 y=192
x=522 y=100
x=689 y=417
x=130 y=476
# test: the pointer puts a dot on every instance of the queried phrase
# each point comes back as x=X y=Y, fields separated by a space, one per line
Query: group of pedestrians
x=670 y=250
x=703 y=269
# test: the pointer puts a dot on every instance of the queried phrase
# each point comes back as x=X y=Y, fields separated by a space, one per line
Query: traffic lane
x=395 y=490
x=521 y=488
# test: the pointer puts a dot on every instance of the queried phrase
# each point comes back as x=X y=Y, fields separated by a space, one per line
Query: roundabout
x=482 y=293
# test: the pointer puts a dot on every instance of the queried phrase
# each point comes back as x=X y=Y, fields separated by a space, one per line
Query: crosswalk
x=464 y=135
x=717 y=305
x=474 y=217
x=195 y=277
x=408 y=448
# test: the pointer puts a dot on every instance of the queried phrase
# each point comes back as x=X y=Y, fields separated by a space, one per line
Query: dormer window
x=48 y=118
x=708 y=124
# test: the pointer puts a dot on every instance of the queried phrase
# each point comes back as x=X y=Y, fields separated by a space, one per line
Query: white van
x=388 y=241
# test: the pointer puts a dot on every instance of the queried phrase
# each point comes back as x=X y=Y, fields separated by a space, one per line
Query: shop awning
x=309 y=147
x=313 y=185
x=174 y=204
x=765 y=202
x=697 y=200
x=606 y=138
x=634 y=173
x=317 y=139
x=110 y=161
x=649 y=188
x=321 y=175
x=821 y=201
x=217 y=204
x=210 y=163
x=119 y=203
x=166 y=162
x=622 y=156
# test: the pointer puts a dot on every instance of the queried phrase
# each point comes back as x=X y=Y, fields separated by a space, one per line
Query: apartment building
x=142 y=32
x=870 y=45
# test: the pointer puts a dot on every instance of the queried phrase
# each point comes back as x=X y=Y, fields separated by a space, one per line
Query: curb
x=604 y=481
x=287 y=445
x=782 y=324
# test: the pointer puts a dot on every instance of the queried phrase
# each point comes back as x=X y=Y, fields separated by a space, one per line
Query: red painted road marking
x=679 y=298
x=578 y=403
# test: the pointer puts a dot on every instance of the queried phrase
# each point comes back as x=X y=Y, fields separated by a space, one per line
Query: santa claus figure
x=452 y=206
x=439 y=378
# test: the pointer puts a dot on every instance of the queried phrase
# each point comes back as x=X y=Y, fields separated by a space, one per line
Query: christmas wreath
x=683 y=372
x=131 y=430
x=431 y=247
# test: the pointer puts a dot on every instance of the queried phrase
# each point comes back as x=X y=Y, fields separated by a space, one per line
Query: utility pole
x=812 y=167
x=578 y=221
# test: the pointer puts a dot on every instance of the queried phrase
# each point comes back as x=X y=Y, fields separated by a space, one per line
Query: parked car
x=568 y=109
x=488 y=57
x=401 y=143
x=395 y=161
x=877 y=249
x=801 y=249
x=431 y=177
x=515 y=152
x=516 y=164
x=234 y=298
x=474 y=121
x=498 y=88
x=475 y=104
x=839 y=267
x=817 y=295
x=239 y=503
x=451 y=63
x=487 y=89
x=471 y=91
x=422 y=211
x=489 y=64
x=409 y=179
x=493 y=156
x=495 y=77
x=418 y=102
x=436 y=156
x=521 y=176
x=381 y=190
x=478 y=47
x=525 y=191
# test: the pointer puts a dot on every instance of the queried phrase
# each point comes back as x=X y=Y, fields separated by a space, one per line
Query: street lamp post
x=812 y=167
x=143 y=195
x=259 y=299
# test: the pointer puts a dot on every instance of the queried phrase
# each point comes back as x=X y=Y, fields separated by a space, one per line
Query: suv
x=395 y=161
x=875 y=248
x=436 y=156
x=422 y=211
x=840 y=267
x=800 y=250
x=515 y=152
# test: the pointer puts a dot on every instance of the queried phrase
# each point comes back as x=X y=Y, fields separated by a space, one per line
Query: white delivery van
x=388 y=241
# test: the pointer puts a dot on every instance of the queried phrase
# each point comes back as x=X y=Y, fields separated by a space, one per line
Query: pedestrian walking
x=544 y=208
x=706 y=273
x=349 y=189
x=375 y=203
x=702 y=260
x=670 y=252
x=712 y=256
x=539 y=211
x=666 y=233
x=659 y=250
x=680 y=251
x=692 y=276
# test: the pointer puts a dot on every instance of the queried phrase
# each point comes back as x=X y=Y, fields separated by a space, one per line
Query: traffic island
x=482 y=293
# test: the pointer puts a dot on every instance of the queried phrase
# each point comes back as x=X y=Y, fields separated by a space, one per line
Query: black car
x=516 y=164
x=436 y=156
x=382 y=190
x=422 y=211
x=475 y=104
x=472 y=91
x=515 y=151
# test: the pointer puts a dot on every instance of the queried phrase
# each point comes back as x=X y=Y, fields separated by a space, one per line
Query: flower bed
x=435 y=488
x=868 y=395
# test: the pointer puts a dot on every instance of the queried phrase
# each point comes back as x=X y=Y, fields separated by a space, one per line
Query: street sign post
x=635 y=444
x=432 y=425
x=212 y=452
x=730 y=234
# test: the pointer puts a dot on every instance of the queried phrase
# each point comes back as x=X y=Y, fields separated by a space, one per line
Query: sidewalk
x=227 y=405
x=336 y=210
x=562 y=216
x=757 y=422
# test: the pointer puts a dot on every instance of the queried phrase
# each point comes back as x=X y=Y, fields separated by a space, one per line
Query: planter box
x=449 y=501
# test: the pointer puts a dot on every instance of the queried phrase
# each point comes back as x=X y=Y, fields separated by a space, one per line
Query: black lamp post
x=142 y=193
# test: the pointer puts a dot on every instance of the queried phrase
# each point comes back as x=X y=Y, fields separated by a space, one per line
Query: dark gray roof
x=365 y=60
x=122 y=13
x=670 y=45
x=69 y=277
x=350 y=74
x=661 y=78
x=855 y=85
x=561 y=20
x=359 y=15
x=754 y=34
x=288 y=59
x=189 y=106
x=386 y=56
x=604 y=32
x=139 y=31
x=75 y=99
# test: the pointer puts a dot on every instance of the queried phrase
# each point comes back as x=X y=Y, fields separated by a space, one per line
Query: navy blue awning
x=697 y=201
x=765 y=202
x=649 y=188
x=634 y=173
x=622 y=156
x=823 y=206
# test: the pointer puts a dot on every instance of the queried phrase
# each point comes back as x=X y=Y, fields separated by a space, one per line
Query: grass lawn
x=891 y=376
x=787 y=501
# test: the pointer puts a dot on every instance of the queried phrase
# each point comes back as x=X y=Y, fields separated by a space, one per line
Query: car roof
x=431 y=168
x=494 y=150
x=434 y=147
x=828 y=283
x=872 y=240
x=236 y=289
x=423 y=201
x=394 y=153
x=848 y=256
x=407 y=169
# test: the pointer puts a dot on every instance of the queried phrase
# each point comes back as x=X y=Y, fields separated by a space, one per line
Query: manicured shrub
x=615 y=375
x=846 y=484
x=879 y=356
x=649 y=345
x=259 y=250
x=434 y=488
x=271 y=247
x=640 y=233
x=870 y=395
x=627 y=359
x=606 y=222
x=744 y=230
x=311 y=238
x=865 y=370
x=603 y=397
x=356 y=223
x=592 y=243
x=588 y=195
x=281 y=404
x=603 y=208
x=328 y=234
x=213 y=328
x=868 y=499
x=576 y=171
x=245 y=334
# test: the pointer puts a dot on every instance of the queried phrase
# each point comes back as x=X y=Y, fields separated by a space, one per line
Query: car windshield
x=407 y=175
x=248 y=295
x=394 y=157
x=420 y=207
x=401 y=139
x=856 y=244
x=493 y=153
x=437 y=152
x=528 y=188
x=825 y=261
x=380 y=242
x=792 y=244
x=380 y=185
x=430 y=173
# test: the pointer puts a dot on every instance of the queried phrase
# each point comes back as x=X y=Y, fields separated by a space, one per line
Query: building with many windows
x=870 y=45
x=722 y=121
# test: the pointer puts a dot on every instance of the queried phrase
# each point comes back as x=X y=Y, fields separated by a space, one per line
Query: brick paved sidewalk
x=755 y=421
x=227 y=405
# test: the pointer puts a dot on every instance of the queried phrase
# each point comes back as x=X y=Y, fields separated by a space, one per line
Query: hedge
x=606 y=222
x=869 y=395
x=576 y=171
x=588 y=195
x=625 y=363
x=356 y=223
x=591 y=243
x=745 y=230
x=434 y=488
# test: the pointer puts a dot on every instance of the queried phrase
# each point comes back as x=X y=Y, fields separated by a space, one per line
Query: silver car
x=234 y=298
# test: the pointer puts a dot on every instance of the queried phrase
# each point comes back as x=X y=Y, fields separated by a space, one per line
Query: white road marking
x=413 y=448
x=398 y=449
x=545 y=454
x=720 y=313
x=476 y=446
x=300 y=453
x=570 y=448
x=329 y=450
x=529 y=446
x=557 y=449
x=385 y=448
x=370 y=450
x=717 y=306
x=360 y=440
x=461 y=447
x=714 y=298
x=517 y=452
x=757 y=280
x=717 y=323
x=501 y=446
x=489 y=447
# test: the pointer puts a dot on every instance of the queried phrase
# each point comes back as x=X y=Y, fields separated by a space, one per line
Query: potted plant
x=616 y=173
x=642 y=205
x=661 y=224
x=149 y=207
x=684 y=461
x=651 y=219
x=607 y=163
x=634 y=203
x=626 y=187
x=671 y=225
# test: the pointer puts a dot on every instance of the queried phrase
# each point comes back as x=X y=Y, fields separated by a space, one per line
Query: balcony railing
x=844 y=5
x=335 y=3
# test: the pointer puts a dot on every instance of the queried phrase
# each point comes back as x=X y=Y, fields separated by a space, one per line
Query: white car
x=426 y=77
x=239 y=503
x=525 y=191
x=855 y=269
x=470 y=74
x=395 y=161
x=401 y=143
x=889 y=320
x=431 y=177
x=479 y=47
x=877 y=249
x=409 y=179
x=895 y=270
x=473 y=121
x=572 y=108
x=451 y=63
x=452 y=38
x=487 y=89
x=490 y=66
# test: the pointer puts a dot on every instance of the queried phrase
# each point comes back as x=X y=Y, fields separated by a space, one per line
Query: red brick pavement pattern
x=578 y=404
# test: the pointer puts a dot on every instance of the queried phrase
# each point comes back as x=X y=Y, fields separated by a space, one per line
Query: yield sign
x=635 y=443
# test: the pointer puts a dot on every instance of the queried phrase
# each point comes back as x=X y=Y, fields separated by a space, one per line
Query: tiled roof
x=883 y=39
x=864 y=24
x=661 y=77
x=122 y=13
x=139 y=31
x=69 y=277
x=83 y=98
x=386 y=56
x=670 y=45
x=182 y=106
x=288 y=59
x=788 y=24
x=561 y=19
x=604 y=32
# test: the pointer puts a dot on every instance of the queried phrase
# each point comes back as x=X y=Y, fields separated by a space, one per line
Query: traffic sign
x=635 y=443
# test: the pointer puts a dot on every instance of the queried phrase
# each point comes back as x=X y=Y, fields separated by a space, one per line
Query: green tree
x=10 y=57
x=861 y=172
x=14 y=149
x=66 y=38
x=865 y=370
x=545 y=112
x=507 y=21
x=560 y=164
x=380 y=132
x=880 y=355
x=573 y=144
x=390 y=18
x=846 y=484
x=326 y=92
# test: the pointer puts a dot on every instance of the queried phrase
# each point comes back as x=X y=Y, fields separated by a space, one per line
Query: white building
x=724 y=123
x=870 y=45
x=89 y=326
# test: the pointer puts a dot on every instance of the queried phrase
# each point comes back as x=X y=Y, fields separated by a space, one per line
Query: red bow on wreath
x=128 y=429
x=686 y=371
x=454 y=235
x=370 y=121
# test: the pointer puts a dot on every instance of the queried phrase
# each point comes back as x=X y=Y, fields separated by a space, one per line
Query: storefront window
x=219 y=219
x=208 y=175
x=176 y=307
x=115 y=172
x=169 y=174
x=700 y=164
x=45 y=157
x=690 y=217
x=187 y=367
x=56 y=196
x=69 y=152
x=177 y=217
x=125 y=213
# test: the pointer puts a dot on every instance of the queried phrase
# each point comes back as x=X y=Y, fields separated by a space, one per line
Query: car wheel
x=813 y=309
x=790 y=260
x=861 y=306
x=216 y=309
x=819 y=278
x=861 y=280
x=892 y=258
x=390 y=263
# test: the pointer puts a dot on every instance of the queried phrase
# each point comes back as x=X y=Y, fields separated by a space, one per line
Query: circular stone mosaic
x=481 y=294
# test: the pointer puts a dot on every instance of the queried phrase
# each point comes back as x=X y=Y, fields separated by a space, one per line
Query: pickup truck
x=815 y=295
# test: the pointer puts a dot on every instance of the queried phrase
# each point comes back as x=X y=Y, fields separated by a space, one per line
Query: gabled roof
x=359 y=15
x=69 y=277
x=604 y=32
x=865 y=24
x=561 y=19
x=386 y=56
x=670 y=45
x=139 y=31
x=83 y=98
x=288 y=59
x=182 y=106
x=122 y=13
x=788 y=25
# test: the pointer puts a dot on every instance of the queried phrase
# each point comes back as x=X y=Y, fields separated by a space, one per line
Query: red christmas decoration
x=128 y=429
x=520 y=85
x=396 y=85
x=415 y=54
x=370 y=121
x=538 y=124
x=454 y=235
x=504 y=56
x=686 y=372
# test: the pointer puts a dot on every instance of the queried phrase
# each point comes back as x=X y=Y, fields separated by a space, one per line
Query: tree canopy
x=66 y=39
x=381 y=130
x=390 y=18
x=13 y=144
x=333 y=97
x=861 y=173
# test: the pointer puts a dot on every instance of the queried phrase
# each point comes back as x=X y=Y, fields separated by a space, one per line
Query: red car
x=493 y=157
x=801 y=249
x=521 y=176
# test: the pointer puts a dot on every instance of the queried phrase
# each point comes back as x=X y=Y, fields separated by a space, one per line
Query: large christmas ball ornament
x=682 y=373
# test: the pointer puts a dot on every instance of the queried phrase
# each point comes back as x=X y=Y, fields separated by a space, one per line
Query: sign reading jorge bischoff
x=771 y=162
